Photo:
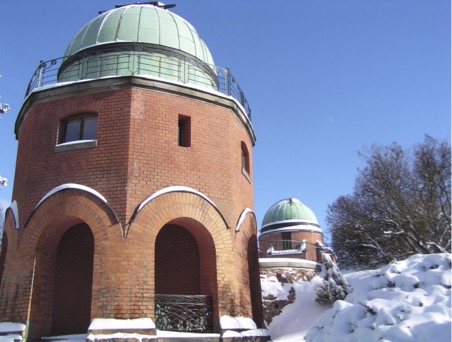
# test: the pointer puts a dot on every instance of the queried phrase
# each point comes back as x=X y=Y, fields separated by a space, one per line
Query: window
x=287 y=240
x=80 y=127
x=245 y=159
x=184 y=131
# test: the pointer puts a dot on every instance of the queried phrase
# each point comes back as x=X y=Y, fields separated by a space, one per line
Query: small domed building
x=290 y=230
x=133 y=193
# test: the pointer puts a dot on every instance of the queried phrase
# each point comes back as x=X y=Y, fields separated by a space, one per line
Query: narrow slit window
x=184 y=131
x=245 y=159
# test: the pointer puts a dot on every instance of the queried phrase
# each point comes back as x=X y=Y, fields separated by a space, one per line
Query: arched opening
x=245 y=159
x=255 y=285
x=185 y=277
x=176 y=262
x=71 y=313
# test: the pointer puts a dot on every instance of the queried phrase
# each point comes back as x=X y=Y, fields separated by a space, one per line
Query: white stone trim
x=298 y=228
x=176 y=188
x=15 y=209
x=242 y=218
x=71 y=186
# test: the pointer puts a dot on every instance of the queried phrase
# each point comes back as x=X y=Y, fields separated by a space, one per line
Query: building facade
x=134 y=184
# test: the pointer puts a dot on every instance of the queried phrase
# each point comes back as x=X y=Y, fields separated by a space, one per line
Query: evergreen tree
x=334 y=286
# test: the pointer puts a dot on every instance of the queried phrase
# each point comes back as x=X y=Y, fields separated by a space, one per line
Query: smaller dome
x=289 y=213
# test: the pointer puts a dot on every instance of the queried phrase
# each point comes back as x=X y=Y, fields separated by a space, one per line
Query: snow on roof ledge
x=237 y=323
x=11 y=327
x=71 y=186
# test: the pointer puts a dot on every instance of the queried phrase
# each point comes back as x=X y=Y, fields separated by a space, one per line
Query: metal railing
x=184 y=313
x=137 y=62
x=290 y=249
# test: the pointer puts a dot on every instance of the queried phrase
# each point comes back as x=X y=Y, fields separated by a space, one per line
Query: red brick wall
x=3 y=249
x=137 y=154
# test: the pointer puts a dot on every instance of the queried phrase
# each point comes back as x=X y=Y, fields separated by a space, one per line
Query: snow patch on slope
x=407 y=300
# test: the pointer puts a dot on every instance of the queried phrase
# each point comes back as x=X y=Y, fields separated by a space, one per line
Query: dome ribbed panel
x=141 y=24
x=289 y=210
x=108 y=30
x=186 y=39
x=129 y=28
x=149 y=27
x=169 y=35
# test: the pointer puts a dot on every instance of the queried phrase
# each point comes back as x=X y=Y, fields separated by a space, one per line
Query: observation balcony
x=291 y=249
x=137 y=61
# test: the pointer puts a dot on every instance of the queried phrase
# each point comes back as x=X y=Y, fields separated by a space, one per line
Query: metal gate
x=184 y=313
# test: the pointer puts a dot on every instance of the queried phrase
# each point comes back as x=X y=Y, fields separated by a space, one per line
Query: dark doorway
x=176 y=262
x=73 y=281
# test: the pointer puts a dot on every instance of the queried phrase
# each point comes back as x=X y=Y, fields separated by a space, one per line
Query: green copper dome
x=289 y=212
x=142 y=40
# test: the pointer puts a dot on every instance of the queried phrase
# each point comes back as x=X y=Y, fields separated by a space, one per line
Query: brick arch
x=53 y=217
x=204 y=221
x=175 y=205
x=72 y=205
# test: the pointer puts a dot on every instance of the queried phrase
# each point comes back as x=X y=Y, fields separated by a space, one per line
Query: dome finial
x=153 y=3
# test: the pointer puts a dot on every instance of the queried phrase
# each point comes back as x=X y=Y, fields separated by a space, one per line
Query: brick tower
x=133 y=185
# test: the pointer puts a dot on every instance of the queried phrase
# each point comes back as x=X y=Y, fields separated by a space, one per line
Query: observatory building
x=133 y=192
x=290 y=230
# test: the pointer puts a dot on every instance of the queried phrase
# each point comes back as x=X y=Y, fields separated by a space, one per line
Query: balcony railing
x=137 y=62
x=184 y=313
x=290 y=249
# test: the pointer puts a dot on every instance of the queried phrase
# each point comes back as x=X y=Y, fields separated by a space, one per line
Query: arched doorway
x=176 y=262
x=71 y=312
x=183 y=302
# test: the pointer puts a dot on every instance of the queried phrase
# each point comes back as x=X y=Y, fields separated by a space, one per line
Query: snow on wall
x=71 y=186
x=176 y=188
x=242 y=218
x=15 y=209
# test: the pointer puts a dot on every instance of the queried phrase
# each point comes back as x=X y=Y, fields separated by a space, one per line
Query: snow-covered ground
x=408 y=300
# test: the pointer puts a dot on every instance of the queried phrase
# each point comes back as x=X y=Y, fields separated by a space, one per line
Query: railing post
x=228 y=82
x=40 y=73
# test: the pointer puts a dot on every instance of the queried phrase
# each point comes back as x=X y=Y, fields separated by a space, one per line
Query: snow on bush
x=404 y=301
x=333 y=286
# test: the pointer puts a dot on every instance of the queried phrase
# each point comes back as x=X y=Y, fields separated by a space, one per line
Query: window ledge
x=76 y=145
x=246 y=174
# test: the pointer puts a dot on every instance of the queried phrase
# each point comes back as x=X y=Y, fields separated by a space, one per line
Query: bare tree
x=400 y=205
x=4 y=107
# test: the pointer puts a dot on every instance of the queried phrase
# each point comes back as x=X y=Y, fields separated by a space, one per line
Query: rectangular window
x=184 y=131
x=79 y=128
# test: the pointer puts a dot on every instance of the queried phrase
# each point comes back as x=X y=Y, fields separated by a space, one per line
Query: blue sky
x=324 y=79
